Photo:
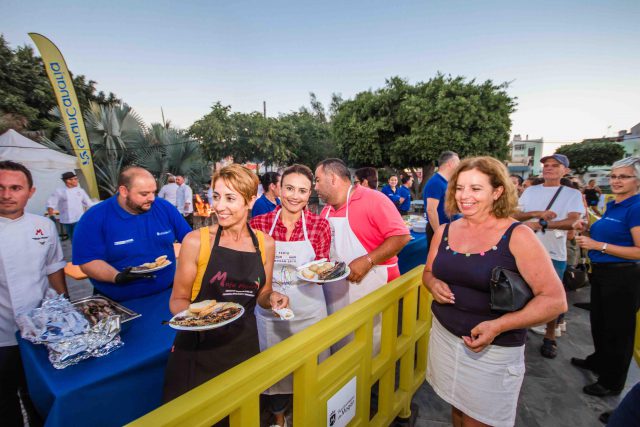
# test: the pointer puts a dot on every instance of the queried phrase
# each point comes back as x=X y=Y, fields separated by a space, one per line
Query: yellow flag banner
x=60 y=79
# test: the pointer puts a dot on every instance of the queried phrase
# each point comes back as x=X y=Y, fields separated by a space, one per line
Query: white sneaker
x=540 y=329
x=563 y=326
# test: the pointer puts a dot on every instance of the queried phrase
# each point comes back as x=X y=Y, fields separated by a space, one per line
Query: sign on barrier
x=341 y=407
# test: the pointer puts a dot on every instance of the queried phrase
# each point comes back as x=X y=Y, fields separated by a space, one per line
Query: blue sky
x=574 y=65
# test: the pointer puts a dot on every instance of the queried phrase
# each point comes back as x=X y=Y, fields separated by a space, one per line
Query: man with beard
x=367 y=234
x=129 y=229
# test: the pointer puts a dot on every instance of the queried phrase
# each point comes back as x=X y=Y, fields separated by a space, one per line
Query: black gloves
x=126 y=276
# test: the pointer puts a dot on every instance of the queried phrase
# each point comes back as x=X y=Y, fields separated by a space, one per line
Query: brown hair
x=8 y=165
x=506 y=204
x=240 y=179
x=299 y=169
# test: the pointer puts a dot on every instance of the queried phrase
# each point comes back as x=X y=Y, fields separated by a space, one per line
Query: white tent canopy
x=46 y=166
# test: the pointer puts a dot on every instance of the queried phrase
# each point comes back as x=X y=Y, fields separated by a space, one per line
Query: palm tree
x=114 y=132
x=170 y=151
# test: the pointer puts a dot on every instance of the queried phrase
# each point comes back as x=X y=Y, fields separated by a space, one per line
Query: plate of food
x=149 y=267
x=205 y=315
x=324 y=272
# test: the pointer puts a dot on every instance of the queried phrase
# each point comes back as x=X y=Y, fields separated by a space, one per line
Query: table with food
x=101 y=379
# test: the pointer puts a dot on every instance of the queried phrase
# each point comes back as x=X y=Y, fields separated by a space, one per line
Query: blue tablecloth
x=111 y=390
x=415 y=253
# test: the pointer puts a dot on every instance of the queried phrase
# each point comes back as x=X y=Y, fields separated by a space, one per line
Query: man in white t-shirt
x=71 y=201
x=551 y=223
x=30 y=262
x=169 y=190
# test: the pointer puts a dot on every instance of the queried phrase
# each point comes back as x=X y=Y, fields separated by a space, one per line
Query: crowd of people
x=479 y=219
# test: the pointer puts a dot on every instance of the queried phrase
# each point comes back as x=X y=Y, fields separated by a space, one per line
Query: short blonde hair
x=506 y=204
x=240 y=179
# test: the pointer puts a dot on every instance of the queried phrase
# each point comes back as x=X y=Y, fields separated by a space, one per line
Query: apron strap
x=304 y=224
x=331 y=207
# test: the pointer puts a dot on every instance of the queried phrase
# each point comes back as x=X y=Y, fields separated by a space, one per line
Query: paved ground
x=552 y=391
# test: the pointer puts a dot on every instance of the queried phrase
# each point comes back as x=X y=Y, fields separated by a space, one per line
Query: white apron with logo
x=306 y=300
x=346 y=247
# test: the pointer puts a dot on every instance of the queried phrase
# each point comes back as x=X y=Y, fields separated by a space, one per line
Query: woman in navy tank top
x=476 y=355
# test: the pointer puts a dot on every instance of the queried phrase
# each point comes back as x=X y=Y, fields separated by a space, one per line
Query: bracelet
x=604 y=248
x=370 y=260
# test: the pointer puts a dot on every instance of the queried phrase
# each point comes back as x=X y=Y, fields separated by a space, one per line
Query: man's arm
x=390 y=247
x=99 y=270
x=52 y=202
x=58 y=283
x=432 y=212
x=188 y=198
x=567 y=223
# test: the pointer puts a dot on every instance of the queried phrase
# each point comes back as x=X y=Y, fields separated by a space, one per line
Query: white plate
x=345 y=274
x=206 y=327
x=151 y=270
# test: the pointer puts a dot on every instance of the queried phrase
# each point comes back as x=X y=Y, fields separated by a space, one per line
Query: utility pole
x=264 y=109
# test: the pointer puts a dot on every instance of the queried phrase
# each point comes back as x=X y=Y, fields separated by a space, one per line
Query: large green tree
x=244 y=136
x=583 y=155
x=403 y=125
x=26 y=96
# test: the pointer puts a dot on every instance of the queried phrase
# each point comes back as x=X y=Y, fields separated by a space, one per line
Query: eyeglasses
x=614 y=177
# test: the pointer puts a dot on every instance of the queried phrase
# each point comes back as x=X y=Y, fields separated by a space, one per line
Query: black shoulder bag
x=509 y=291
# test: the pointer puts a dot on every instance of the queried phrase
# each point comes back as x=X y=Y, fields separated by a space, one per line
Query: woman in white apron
x=301 y=236
x=346 y=247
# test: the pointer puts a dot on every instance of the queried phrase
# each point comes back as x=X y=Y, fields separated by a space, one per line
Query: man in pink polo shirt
x=367 y=234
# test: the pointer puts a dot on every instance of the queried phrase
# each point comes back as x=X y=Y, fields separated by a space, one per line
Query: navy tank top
x=468 y=277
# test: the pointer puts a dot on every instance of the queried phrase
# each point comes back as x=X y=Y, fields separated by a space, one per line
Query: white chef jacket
x=71 y=202
x=168 y=192
x=29 y=251
x=184 y=195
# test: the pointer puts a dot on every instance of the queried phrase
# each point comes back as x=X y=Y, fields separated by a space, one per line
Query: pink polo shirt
x=373 y=218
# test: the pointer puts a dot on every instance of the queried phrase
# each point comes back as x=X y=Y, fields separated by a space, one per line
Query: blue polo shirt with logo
x=109 y=233
x=615 y=227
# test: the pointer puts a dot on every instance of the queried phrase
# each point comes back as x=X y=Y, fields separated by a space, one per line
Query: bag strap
x=203 y=261
x=555 y=196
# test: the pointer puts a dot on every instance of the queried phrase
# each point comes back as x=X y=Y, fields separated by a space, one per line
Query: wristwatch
x=604 y=248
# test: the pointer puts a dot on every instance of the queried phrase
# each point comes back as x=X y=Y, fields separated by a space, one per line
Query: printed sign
x=341 y=407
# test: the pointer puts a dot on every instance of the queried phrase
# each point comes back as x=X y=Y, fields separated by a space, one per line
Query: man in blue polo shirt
x=129 y=229
x=404 y=193
x=435 y=190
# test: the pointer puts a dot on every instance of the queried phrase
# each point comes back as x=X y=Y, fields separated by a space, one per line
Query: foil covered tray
x=98 y=307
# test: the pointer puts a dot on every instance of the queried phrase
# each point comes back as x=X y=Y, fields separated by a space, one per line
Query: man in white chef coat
x=71 y=201
x=30 y=262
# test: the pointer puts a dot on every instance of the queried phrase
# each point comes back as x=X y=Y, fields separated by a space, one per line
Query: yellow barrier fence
x=236 y=393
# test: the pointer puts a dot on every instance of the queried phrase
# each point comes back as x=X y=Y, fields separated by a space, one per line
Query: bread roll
x=198 y=307
x=308 y=273
x=161 y=260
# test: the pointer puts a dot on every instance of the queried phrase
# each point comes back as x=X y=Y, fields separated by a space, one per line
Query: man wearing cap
x=71 y=201
x=551 y=210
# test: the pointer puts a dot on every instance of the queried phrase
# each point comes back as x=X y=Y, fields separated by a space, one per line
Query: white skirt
x=484 y=385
